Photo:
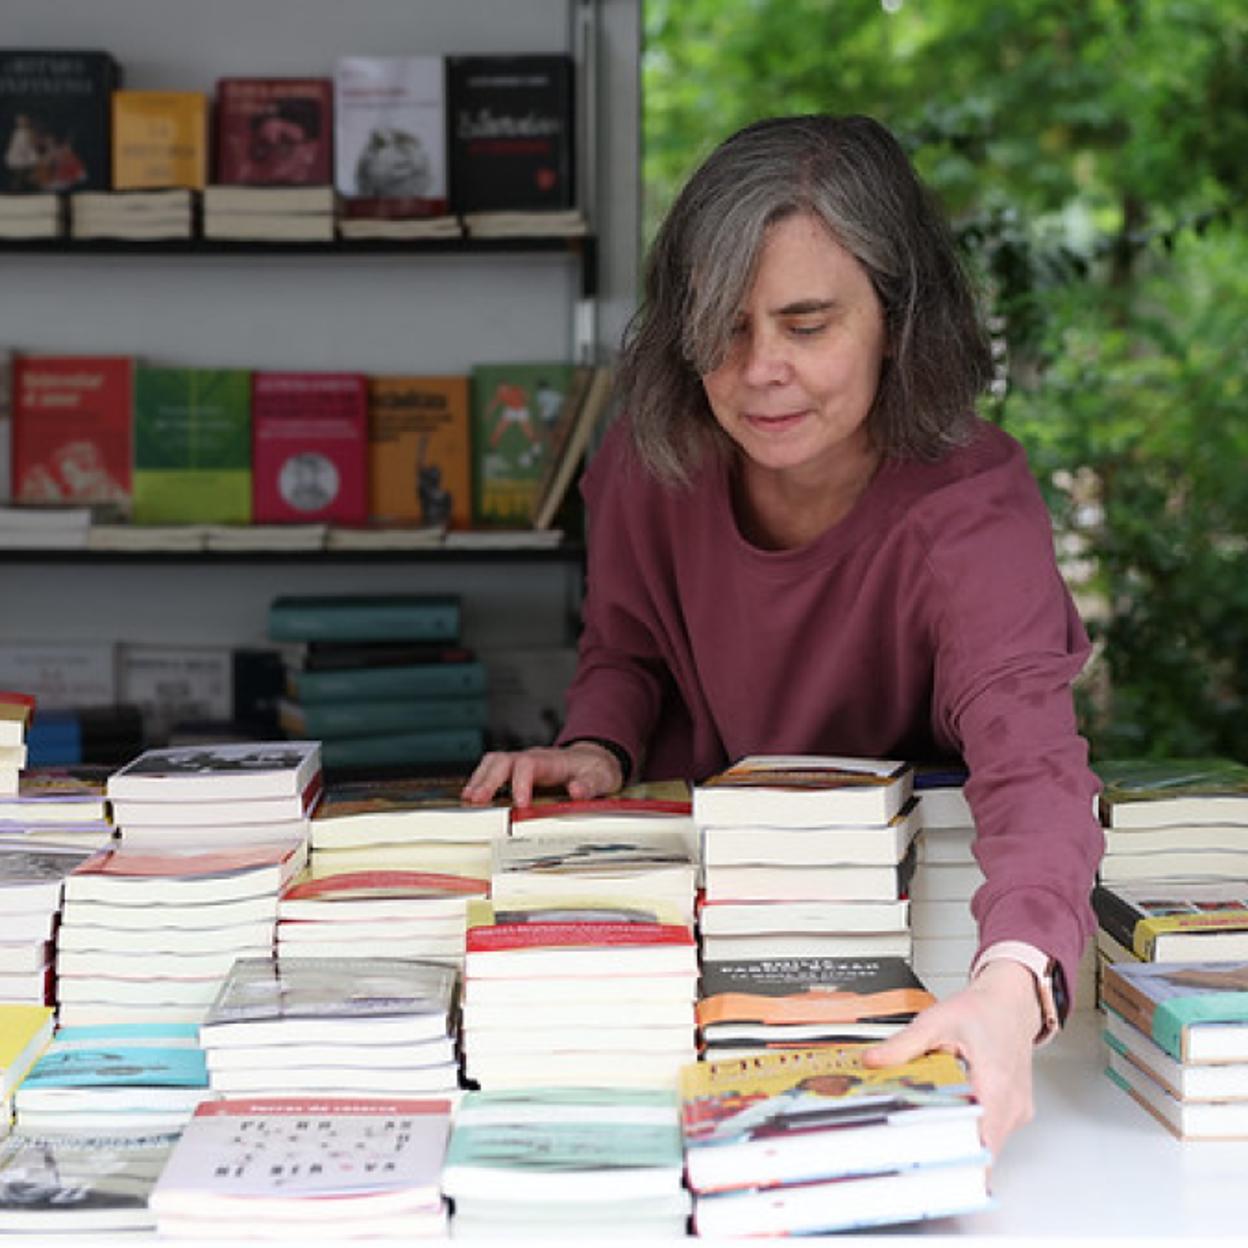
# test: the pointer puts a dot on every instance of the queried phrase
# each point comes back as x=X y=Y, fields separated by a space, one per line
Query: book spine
x=432 y=621
x=389 y=683
x=1116 y=915
x=360 y=719
x=451 y=745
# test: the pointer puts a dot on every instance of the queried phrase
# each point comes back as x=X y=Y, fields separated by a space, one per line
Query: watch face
x=1061 y=994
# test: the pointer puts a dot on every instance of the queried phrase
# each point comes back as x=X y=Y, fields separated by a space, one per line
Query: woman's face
x=802 y=368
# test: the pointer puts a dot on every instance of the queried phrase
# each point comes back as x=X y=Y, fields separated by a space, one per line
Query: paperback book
x=1151 y=793
x=1173 y=920
x=274 y=131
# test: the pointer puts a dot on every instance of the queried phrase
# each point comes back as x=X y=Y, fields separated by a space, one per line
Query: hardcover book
x=309 y=447
x=515 y=411
x=419 y=451
x=54 y=119
x=1225 y=1119
x=71 y=431
x=274 y=131
x=160 y=139
x=1172 y=920
x=364 y=617
x=451 y=678
x=390 y=131
x=1152 y=793
x=192 y=446
x=512 y=132
x=331 y=721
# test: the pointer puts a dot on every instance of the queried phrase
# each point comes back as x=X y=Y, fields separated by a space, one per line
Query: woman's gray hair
x=851 y=174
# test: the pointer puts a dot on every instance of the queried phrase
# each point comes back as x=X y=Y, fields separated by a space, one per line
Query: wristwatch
x=1051 y=992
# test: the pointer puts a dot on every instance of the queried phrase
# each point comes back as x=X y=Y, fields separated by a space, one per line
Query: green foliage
x=1092 y=155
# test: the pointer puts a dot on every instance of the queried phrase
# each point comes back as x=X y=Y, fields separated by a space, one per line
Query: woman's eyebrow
x=804 y=307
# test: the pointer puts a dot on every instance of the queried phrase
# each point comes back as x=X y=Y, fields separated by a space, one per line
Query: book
x=293 y=808
x=170 y=683
x=1152 y=793
x=57 y=795
x=79 y=1183
x=367 y=812
x=390 y=131
x=1194 y=1011
x=134 y=877
x=274 y=131
x=301 y=658
x=436 y=748
x=277 y=203
x=449 y=678
x=1186 y=1119
x=71 y=431
x=1176 y=864
x=326 y=1160
x=731 y=947
x=810 y=1115
x=364 y=617
x=1185 y=1081
x=377 y=717
x=143 y=216
x=848 y=882
x=16 y=711
x=659 y=808
x=578 y=423
x=309 y=458
x=25 y=1031
x=192 y=446
x=160 y=139
x=420 y=462
x=54 y=119
x=330 y=1000
x=380 y=896
x=218 y=773
x=1174 y=920
x=512 y=132
x=1180 y=839
x=33 y=878
x=515 y=409
x=754 y=917
x=803 y=791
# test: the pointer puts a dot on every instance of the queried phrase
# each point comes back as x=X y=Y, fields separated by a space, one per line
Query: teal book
x=192 y=446
x=516 y=410
x=359 y=684
x=364 y=617
x=434 y=746
x=112 y=1065
x=130 y=1035
x=328 y=721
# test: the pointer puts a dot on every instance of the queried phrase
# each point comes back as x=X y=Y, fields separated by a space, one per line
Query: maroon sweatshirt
x=931 y=622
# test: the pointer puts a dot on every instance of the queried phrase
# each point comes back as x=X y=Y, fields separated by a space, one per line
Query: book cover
x=71 y=431
x=585 y=410
x=274 y=131
x=364 y=617
x=32 y=878
x=309 y=447
x=1151 y=793
x=111 y=1063
x=512 y=132
x=378 y=716
x=192 y=446
x=57 y=795
x=1166 y=920
x=515 y=409
x=54 y=119
x=364 y=812
x=1185 y=1081
x=390 y=130
x=455 y=678
x=16 y=712
x=208 y=773
x=24 y=1033
x=419 y=451
x=160 y=139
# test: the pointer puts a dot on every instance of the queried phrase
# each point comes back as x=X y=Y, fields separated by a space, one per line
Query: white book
x=729 y=918
x=215 y=773
x=368 y=1052
x=806 y=945
x=294 y=1080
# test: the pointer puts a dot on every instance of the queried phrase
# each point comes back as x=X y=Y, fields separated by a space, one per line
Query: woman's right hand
x=584 y=768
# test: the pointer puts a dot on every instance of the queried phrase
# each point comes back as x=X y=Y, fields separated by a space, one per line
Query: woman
x=803 y=540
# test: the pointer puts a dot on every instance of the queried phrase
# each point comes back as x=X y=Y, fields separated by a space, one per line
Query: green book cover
x=420 y=748
x=192 y=446
x=515 y=411
x=332 y=720
x=393 y=684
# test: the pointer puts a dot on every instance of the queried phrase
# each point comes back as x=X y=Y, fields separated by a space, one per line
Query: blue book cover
x=113 y=1065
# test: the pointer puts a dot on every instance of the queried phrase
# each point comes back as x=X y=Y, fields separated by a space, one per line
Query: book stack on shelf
x=58 y=806
x=1176 y=1036
x=147 y=216
x=32 y=216
x=750 y=1007
x=44 y=528
x=32 y=888
x=383 y=681
x=578 y=991
x=394 y=861
x=814 y=1142
x=806 y=856
x=222 y=795
x=946 y=877
x=358 y=1027
x=567 y=1163
x=25 y=1031
x=121 y=1080
x=16 y=713
x=149 y=936
x=264 y=213
x=322 y=1169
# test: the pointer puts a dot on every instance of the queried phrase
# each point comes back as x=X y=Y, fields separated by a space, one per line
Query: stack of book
x=149 y=937
x=292 y=214
x=356 y=1027
x=814 y=1142
x=59 y=806
x=1177 y=1041
x=25 y=1031
x=747 y=1008
x=44 y=528
x=122 y=1080
x=578 y=991
x=226 y=795
x=148 y=215
x=806 y=856
x=16 y=711
x=560 y=1163
x=946 y=876
x=32 y=879
x=381 y=680
x=319 y=1168
x=31 y=216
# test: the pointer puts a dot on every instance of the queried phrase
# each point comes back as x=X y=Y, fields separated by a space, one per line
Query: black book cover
x=512 y=132
x=54 y=120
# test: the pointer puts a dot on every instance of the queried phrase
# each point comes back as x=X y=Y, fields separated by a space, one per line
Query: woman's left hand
x=992 y=1025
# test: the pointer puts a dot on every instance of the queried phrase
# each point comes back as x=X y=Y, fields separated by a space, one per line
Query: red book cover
x=309 y=457
x=185 y=864
x=72 y=430
x=500 y=937
x=590 y=807
x=355 y=885
x=274 y=131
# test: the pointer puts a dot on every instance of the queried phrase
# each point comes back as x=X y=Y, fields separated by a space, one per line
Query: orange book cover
x=160 y=139
x=419 y=451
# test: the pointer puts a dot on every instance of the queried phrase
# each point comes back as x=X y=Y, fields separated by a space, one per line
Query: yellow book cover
x=419 y=459
x=160 y=139
x=24 y=1033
